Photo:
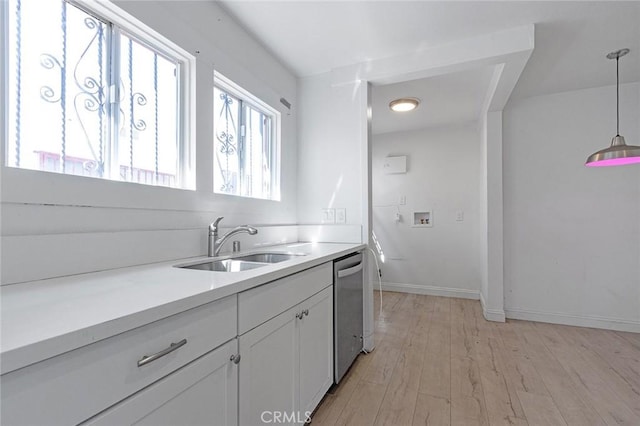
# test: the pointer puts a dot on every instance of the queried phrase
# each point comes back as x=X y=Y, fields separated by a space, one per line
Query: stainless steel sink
x=226 y=265
x=268 y=257
x=241 y=263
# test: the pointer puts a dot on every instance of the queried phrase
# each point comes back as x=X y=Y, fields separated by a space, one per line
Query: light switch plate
x=341 y=216
x=460 y=215
x=328 y=215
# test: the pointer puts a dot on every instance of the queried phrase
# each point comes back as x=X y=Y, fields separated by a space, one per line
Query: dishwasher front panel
x=348 y=312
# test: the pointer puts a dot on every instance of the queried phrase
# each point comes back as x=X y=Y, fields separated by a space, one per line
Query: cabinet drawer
x=74 y=386
x=262 y=303
x=205 y=392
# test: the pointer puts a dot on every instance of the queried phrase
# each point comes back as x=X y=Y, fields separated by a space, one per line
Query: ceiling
x=572 y=38
x=445 y=99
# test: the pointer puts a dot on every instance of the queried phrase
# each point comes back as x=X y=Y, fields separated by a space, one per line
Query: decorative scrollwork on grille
x=141 y=100
x=89 y=83
x=86 y=91
x=47 y=92
x=226 y=134
x=227 y=137
x=90 y=99
x=227 y=143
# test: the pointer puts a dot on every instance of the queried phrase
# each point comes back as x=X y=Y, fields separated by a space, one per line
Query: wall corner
x=496 y=315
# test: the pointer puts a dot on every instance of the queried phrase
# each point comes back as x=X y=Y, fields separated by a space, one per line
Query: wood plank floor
x=438 y=362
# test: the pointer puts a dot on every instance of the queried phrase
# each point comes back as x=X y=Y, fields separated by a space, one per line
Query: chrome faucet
x=216 y=243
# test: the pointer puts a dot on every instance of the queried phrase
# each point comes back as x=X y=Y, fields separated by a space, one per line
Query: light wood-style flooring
x=438 y=362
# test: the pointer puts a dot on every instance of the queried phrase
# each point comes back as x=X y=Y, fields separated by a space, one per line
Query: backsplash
x=36 y=257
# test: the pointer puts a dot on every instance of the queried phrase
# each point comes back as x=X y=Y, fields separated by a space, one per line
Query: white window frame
x=227 y=85
x=142 y=33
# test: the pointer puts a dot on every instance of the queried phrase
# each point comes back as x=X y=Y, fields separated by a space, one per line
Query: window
x=92 y=96
x=246 y=154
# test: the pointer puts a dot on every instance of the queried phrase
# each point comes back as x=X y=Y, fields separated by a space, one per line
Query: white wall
x=491 y=217
x=332 y=148
x=56 y=225
x=442 y=176
x=333 y=163
x=571 y=233
x=483 y=243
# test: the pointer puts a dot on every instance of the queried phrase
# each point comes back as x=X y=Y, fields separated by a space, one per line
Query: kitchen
x=543 y=251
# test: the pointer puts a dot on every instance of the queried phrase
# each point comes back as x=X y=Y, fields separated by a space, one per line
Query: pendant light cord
x=617 y=97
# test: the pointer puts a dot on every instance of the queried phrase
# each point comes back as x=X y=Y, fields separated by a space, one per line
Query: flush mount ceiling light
x=404 y=104
x=619 y=152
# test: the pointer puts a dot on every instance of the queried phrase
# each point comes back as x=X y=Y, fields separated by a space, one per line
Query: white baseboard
x=575 y=320
x=496 y=315
x=430 y=290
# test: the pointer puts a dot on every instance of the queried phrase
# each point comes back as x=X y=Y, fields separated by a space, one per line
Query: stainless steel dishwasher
x=347 y=312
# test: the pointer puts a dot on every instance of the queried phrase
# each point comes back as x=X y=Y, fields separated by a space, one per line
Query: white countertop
x=45 y=318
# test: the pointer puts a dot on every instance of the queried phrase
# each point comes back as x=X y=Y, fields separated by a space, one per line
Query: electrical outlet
x=460 y=215
x=341 y=216
x=328 y=215
x=403 y=200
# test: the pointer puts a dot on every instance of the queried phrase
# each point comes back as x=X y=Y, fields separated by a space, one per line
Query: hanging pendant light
x=619 y=152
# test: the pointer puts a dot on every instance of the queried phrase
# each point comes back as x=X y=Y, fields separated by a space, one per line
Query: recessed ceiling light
x=404 y=104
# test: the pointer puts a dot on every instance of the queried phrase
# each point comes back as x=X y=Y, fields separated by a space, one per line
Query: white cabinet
x=182 y=370
x=315 y=337
x=74 y=386
x=264 y=302
x=287 y=363
x=267 y=379
x=204 y=392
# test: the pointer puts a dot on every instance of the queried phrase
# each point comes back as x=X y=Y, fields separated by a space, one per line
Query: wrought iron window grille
x=246 y=145
x=88 y=98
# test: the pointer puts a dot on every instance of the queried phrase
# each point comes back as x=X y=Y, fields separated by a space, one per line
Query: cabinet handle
x=150 y=358
x=305 y=312
x=300 y=315
x=350 y=271
x=235 y=359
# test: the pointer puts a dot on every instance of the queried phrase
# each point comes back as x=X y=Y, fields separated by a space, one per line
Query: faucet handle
x=214 y=225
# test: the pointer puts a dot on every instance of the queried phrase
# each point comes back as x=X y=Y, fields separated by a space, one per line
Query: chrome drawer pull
x=305 y=312
x=150 y=358
x=235 y=359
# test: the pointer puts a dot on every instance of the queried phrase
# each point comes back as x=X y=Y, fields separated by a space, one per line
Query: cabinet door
x=268 y=370
x=204 y=392
x=316 y=349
